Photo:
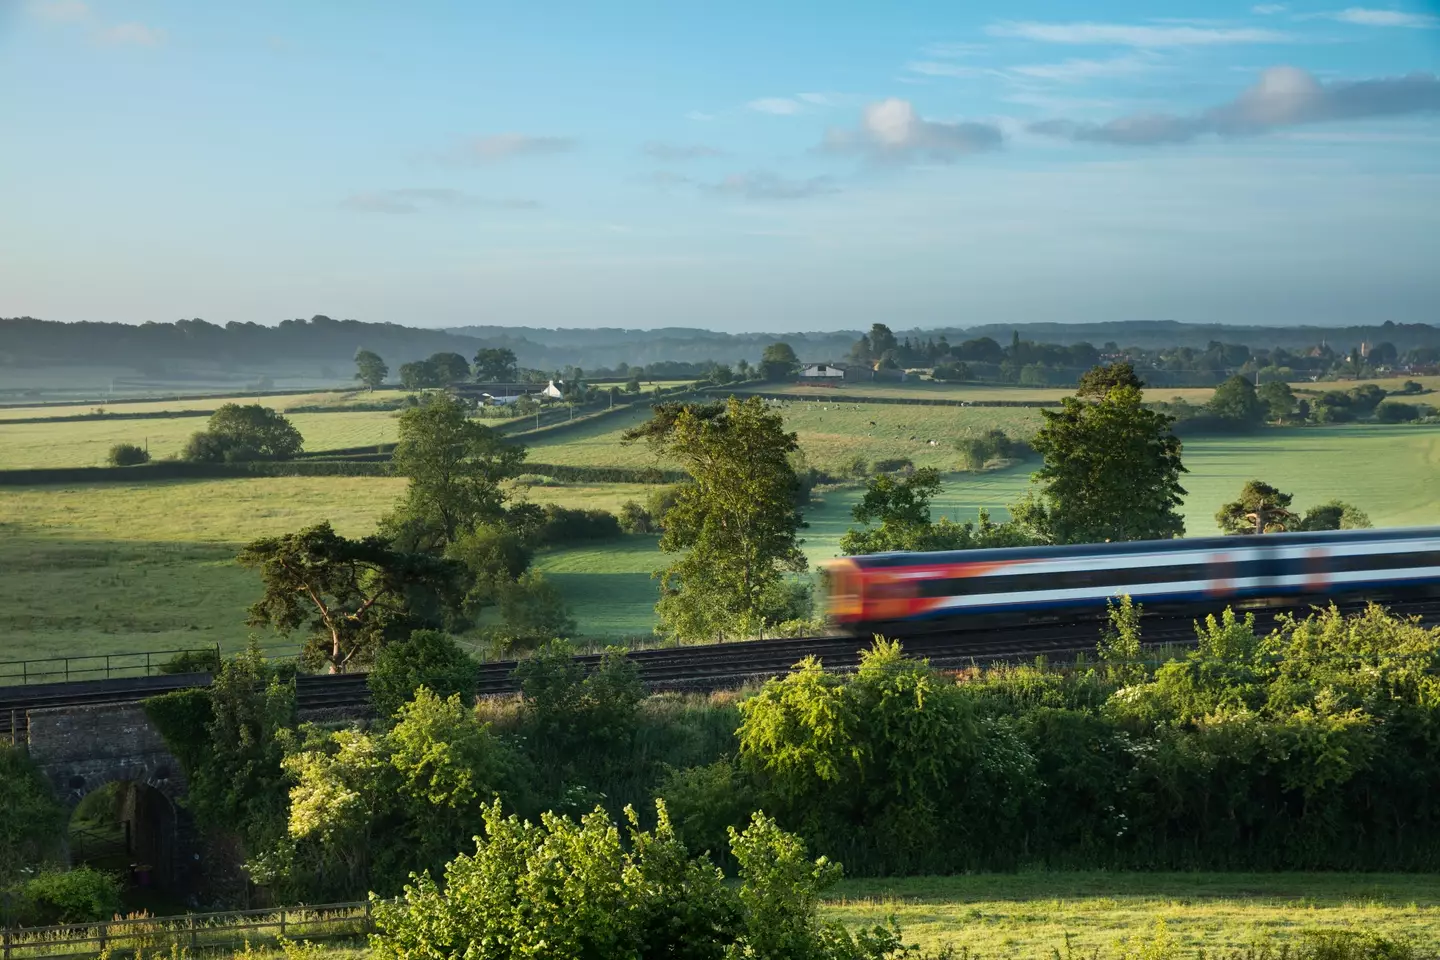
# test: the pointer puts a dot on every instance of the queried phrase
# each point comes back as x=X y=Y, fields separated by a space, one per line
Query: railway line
x=705 y=667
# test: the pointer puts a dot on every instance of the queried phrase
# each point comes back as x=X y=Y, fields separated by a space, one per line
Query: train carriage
x=908 y=593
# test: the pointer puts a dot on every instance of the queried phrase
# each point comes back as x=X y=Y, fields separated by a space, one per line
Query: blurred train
x=902 y=594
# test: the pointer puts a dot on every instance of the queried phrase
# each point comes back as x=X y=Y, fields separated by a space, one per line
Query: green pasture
x=1030 y=914
x=338 y=400
x=937 y=390
x=832 y=434
x=85 y=443
x=137 y=566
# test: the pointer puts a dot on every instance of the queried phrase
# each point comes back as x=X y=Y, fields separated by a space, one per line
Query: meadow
x=335 y=399
x=1031 y=914
x=85 y=443
x=145 y=566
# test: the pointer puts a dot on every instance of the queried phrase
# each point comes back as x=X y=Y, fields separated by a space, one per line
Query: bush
x=193 y=661
x=238 y=433
x=127 y=455
x=532 y=612
x=567 y=888
x=566 y=525
x=902 y=465
x=33 y=824
x=706 y=802
x=537 y=480
x=427 y=658
x=635 y=519
x=1392 y=411
x=81 y=895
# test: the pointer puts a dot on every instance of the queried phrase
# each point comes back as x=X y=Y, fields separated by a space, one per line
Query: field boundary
x=192 y=931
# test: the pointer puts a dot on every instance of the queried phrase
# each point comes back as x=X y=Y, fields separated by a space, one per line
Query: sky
x=740 y=166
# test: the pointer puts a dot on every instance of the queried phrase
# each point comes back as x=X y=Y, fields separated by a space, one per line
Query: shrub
x=1411 y=387
x=706 y=802
x=537 y=480
x=902 y=465
x=81 y=895
x=238 y=433
x=427 y=658
x=635 y=519
x=33 y=824
x=193 y=661
x=567 y=888
x=532 y=612
x=565 y=525
x=127 y=455
x=1392 y=411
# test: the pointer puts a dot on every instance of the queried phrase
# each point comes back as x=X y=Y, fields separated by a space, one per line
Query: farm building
x=822 y=371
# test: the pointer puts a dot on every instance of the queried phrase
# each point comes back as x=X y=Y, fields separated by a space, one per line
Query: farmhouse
x=555 y=390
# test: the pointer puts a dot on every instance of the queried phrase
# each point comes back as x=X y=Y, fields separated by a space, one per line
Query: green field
x=832 y=434
x=1029 y=914
x=138 y=566
x=85 y=443
x=338 y=400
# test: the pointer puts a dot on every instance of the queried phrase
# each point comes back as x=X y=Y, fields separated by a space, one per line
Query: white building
x=821 y=371
x=555 y=390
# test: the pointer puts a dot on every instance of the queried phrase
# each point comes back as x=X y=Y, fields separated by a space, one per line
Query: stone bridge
x=82 y=748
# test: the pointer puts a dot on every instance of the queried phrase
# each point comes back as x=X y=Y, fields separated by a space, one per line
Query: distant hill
x=30 y=343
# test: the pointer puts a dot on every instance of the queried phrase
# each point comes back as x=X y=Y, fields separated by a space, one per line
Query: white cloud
x=1281 y=97
x=948 y=50
x=1267 y=9
x=414 y=199
x=680 y=151
x=932 y=68
x=1074 y=71
x=819 y=99
x=502 y=146
x=779 y=106
x=1132 y=35
x=764 y=185
x=891 y=131
x=61 y=11
x=699 y=115
x=1366 y=17
x=133 y=34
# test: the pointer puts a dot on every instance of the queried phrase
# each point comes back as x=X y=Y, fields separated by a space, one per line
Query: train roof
x=1187 y=544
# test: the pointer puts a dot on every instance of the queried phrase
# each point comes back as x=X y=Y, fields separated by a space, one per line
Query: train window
x=1386 y=561
x=1106 y=578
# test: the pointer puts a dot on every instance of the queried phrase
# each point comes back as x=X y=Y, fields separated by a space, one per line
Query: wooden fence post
x=282 y=921
x=7 y=943
x=190 y=917
x=369 y=928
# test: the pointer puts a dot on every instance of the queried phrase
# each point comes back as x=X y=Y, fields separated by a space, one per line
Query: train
x=900 y=594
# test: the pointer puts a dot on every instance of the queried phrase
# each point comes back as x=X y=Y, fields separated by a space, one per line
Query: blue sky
x=739 y=166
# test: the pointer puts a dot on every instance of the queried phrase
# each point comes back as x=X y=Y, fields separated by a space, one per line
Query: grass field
x=85 y=443
x=936 y=390
x=329 y=398
x=832 y=433
x=1029 y=914
x=124 y=567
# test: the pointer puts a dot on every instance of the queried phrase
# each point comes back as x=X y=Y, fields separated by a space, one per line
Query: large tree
x=370 y=369
x=896 y=512
x=495 y=364
x=250 y=432
x=1112 y=470
x=779 y=361
x=350 y=595
x=735 y=521
x=449 y=368
x=1260 y=509
x=1235 y=400
x=455 y=466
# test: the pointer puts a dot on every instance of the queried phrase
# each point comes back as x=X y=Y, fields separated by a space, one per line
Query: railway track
x=703 y=667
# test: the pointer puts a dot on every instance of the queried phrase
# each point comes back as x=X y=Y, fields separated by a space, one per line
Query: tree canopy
x=1261 y=508
x=495 y=364
x=455 y=466
x=352 y=596
x=370 y=369
x=735 y=522
x=249 y=432
x=1235 y=400
x=1112 y=470
x=779 y=361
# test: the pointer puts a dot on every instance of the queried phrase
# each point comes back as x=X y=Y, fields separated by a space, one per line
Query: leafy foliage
x=564 y=888
x=127 y=455
x=1236 y=400
x=370 y=369
x=901 y=506
x=779 y=362
x=495 y=364
x=236 y=433
x=351 y=595
x=1260 y=509
x=455 y=466
x=427 y=658
x=736 y=522
x=80 y=895
x=34 y=823
x=1112 y=472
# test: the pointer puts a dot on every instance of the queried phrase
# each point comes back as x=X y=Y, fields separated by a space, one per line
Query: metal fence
x=99 y=666
x=195 y=934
